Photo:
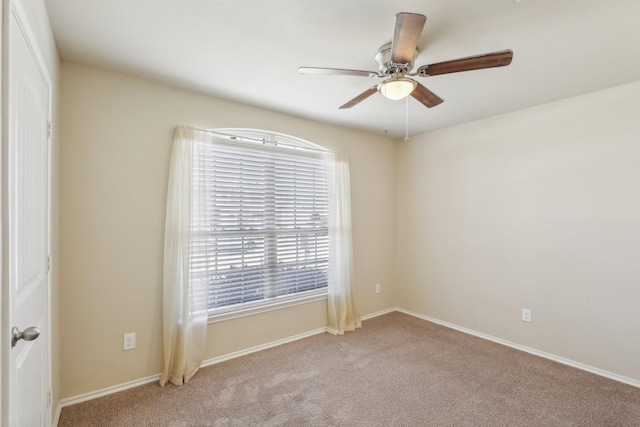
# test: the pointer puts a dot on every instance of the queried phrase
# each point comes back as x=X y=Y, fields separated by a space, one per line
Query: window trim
x=275 y=141
x=280 y=303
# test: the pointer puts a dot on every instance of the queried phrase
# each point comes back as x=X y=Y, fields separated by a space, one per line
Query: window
x=261 y=235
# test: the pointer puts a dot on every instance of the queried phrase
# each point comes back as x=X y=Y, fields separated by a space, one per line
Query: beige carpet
x=395 y=371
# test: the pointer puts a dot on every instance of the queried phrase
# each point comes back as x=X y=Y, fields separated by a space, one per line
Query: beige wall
x=538 y=208
x=114 y=156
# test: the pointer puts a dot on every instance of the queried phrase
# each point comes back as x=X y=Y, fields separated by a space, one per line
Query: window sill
x=264 y=307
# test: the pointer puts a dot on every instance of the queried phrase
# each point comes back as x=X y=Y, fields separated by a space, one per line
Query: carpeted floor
x=396 y=371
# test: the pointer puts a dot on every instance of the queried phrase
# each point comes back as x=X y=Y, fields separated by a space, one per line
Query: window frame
x=277 y=142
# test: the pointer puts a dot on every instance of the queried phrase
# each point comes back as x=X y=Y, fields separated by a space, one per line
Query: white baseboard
x=257 y=348
x=56 y=417
x=559 y=359
x=106 y=391
x=379 y=313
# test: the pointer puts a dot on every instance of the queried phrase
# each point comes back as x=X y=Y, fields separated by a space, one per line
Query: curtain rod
x=262 y=141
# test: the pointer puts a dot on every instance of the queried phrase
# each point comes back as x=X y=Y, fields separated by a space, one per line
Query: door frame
x=14 y=8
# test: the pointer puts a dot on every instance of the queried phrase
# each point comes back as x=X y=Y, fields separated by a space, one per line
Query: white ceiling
x=249 y=51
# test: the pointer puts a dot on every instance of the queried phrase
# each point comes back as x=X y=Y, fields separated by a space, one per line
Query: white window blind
x=261 y=235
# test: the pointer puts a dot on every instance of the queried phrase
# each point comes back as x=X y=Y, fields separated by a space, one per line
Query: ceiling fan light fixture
x=398 y=88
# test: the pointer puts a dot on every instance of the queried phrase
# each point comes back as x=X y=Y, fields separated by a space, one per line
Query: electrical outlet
x=526 y=315
x=377 y=288
x=129 y=341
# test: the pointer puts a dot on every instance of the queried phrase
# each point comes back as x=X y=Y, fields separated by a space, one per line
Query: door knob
x=28 y=334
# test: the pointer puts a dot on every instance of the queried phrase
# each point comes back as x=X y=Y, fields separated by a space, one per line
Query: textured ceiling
x=249 y=51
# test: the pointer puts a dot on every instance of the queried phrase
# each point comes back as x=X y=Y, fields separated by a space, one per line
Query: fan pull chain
x=406 y=119
x=386 y=121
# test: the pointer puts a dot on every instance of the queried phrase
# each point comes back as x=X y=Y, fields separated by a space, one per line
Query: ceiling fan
x=395 y=62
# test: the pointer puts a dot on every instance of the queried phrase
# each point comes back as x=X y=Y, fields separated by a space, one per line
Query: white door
x=25 y=185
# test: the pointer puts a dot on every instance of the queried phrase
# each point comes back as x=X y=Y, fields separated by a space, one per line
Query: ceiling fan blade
x=336 y=72
x=358 y=99
x=488 y=60
x=405 y=37
x=425 y=96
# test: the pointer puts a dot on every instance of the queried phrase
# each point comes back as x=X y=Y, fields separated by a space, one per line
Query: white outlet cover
x=129 y=341
x=526 y=315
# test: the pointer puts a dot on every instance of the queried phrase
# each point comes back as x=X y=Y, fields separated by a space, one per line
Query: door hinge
x=49 y=129
x=49 y=264
x=49 y=398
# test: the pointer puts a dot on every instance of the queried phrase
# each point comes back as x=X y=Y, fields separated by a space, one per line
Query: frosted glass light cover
x=397 y=89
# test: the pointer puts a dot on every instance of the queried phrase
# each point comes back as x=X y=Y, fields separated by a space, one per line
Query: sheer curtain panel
x=185 y=294
x=342 y=315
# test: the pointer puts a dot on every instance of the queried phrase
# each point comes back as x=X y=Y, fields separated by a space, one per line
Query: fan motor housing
x=387 y=66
